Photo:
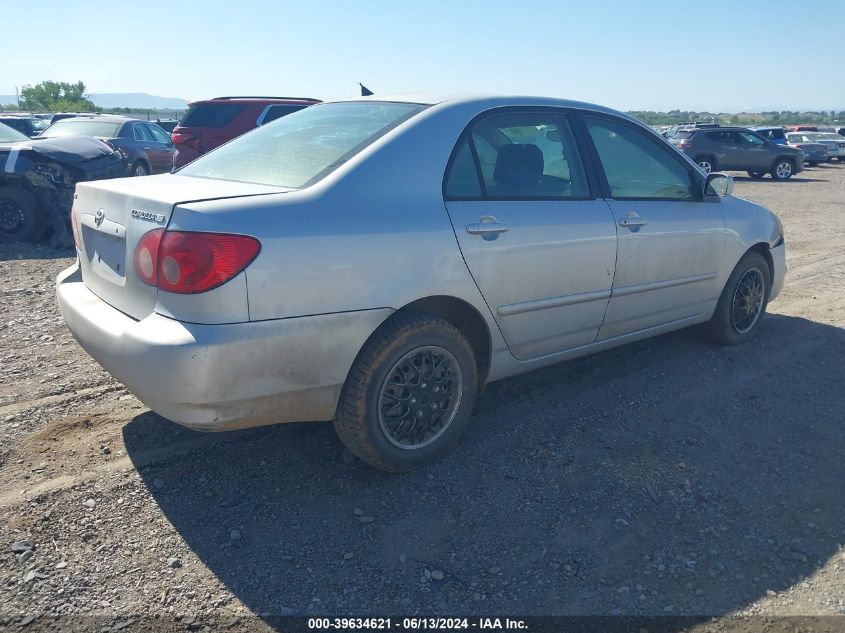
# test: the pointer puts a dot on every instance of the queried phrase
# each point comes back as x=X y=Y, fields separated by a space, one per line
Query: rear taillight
x=180 y=138
x=684 y=144
x=74 y=227
x=188 y=263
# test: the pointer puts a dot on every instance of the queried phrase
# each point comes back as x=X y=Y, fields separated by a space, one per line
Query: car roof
x=248 y=99
x=486 y=101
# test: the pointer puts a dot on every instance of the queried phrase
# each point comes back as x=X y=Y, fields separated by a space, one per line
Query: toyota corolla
x=376 y=262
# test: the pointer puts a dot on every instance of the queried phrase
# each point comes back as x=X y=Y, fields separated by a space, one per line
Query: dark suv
x=212 y=122
x=738 y=148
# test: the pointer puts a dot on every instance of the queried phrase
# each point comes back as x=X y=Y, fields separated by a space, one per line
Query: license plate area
x=104 y=247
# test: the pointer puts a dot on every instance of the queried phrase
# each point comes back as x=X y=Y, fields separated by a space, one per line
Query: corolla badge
x=158 y=218
x=99 y=217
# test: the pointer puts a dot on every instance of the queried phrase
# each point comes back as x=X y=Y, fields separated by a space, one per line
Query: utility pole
x=17 y=98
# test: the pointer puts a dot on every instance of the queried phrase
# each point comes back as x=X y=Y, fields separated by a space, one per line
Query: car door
x=757 y=154
x=144 y=143
x=163 y=146
x=536 y=237
x=671 y=241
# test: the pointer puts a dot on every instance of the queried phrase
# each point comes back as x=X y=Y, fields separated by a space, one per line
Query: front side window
x=304 y=147
x=636 y=166
x=520 y=155
x=749 y=138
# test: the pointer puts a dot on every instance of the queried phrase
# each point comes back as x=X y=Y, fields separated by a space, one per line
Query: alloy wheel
x=784 y=169
x=420 y=397
x=747 y=305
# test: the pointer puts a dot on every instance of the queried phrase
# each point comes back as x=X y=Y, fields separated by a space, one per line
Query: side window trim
x=569 y=114
x=695 y=183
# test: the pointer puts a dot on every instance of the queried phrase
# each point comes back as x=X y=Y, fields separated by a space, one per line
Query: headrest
x=518 y=165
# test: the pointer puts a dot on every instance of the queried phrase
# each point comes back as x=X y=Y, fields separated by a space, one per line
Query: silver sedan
x=376 y=262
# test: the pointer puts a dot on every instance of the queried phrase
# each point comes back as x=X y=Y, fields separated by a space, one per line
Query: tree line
x=60 y=96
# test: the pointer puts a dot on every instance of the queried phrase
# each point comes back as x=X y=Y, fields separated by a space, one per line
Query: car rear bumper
x=778 y=254
x=220 y=377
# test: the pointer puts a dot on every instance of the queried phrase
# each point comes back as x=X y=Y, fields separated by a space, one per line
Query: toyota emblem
x=99 y=217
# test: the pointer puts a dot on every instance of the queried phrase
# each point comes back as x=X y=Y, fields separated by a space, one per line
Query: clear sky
x=650 y=55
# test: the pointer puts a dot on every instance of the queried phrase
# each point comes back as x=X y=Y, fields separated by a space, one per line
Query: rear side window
x=683 y=134
x=278 y=111
x=462 y=181
x=141 y=132
x=635 y=165
x=521 y=155
x=211 y=114
x=158 y=134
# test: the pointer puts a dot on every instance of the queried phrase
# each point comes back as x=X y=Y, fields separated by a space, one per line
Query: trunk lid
x=112 y=216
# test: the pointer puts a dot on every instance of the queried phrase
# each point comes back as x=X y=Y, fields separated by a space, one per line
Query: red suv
x=212 y=122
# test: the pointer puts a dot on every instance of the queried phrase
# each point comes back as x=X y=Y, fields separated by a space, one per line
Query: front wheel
x=409 y=394
x=782 y=169
x=743 y=301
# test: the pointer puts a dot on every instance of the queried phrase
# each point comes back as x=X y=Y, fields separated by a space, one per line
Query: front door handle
x=488 y=227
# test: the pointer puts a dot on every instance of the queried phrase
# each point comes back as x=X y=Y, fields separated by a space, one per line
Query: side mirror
x=717 y=184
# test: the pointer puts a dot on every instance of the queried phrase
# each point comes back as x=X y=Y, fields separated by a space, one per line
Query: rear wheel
x=756 y=175
x=782 y=169
x=743 y=301
x=139 y=169
x=707 y=163
x=21 y=220
x=409 y=394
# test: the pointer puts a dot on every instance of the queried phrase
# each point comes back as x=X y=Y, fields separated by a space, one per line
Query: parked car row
x=757 y=150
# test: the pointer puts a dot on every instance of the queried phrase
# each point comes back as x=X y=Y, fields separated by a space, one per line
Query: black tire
x=814 y=163
x=782 y=169
x=841 y=159
x=139 y=168
x=756 y=175
x=707 y=163
x=360 y=422
x=726 y=325
x=21 y=218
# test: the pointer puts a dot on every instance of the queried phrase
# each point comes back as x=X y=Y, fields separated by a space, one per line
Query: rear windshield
x=211 y=114
x=302 y=148
x=682 y=134
x=81 y=127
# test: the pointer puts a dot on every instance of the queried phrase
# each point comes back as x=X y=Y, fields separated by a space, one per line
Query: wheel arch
x=765 y=251
x=466 y=318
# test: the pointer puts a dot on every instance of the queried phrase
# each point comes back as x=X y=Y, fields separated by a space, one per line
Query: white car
x=376 y=262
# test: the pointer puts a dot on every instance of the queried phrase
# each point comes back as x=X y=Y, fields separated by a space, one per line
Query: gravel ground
x=670 y=477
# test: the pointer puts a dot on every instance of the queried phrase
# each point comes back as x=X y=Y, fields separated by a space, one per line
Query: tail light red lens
x=180 y=138
x=184 y=262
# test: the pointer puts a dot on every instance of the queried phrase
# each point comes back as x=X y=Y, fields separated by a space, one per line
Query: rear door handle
x=485 y=228
x=632 y=222
x=488 y=227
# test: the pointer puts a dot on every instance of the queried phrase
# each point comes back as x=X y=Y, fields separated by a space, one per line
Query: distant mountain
x=139 y=100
